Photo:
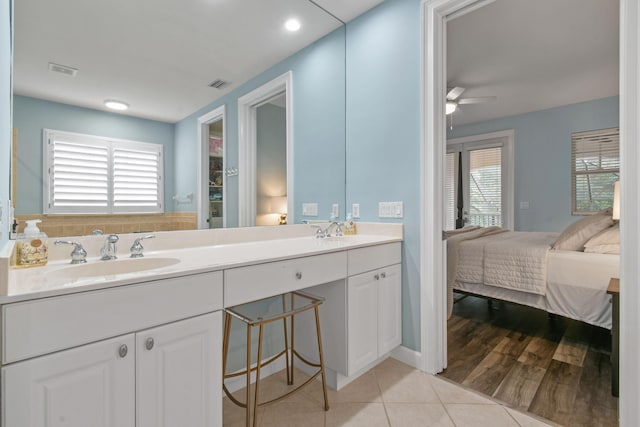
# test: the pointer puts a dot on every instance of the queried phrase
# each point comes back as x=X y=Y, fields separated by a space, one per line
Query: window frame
x=575 y=136
x=112 y=144
x=506 y=140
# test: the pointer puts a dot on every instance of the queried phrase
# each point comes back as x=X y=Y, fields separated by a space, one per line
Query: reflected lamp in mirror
x=279 y=206
x=616 y=201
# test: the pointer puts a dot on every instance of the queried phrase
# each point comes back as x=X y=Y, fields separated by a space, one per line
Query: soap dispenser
x=32 y=246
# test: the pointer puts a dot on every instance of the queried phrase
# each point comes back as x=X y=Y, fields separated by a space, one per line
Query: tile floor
x=391 y=394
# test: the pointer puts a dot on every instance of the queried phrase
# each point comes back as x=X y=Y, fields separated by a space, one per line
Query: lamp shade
x=616 y=201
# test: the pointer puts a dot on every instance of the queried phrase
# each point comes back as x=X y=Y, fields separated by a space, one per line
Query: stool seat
x=258 y=313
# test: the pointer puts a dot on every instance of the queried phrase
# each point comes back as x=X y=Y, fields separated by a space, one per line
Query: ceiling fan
x=453 y=99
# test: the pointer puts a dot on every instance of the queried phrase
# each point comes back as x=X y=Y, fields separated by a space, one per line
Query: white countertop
x=200 y=255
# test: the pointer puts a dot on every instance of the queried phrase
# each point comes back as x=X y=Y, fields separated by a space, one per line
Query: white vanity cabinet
x=92 y=385
x=140 y=355
x=361 y=318
x=374 y=325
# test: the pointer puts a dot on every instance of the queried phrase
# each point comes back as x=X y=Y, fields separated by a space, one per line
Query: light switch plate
x=355 y=210
x=309 y=209
x=524 y=205
x=390 y=210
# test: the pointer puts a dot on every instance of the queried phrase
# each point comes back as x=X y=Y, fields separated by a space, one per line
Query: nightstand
x=614 y=291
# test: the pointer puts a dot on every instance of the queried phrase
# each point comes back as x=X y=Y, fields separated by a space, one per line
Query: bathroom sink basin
x=109 y=268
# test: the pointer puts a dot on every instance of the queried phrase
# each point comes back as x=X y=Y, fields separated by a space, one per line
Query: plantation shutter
x=595 y=166
x=136 y=179
x=80 y=175
x=485 y=187
x=89 y=174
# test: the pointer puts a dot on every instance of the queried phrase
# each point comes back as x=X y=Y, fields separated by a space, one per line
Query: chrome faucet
x=136 y=248
x=78 y=254
x=326 y=232
x=108 y=251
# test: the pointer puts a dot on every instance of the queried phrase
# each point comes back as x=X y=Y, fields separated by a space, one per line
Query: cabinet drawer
x=374 y=257
x=43 y=326
x=255 y=282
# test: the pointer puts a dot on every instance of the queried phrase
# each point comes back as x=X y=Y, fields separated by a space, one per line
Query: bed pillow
x=605 y=242
x=574 y=237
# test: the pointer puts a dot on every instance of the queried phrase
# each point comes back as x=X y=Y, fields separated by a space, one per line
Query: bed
x=562 y=273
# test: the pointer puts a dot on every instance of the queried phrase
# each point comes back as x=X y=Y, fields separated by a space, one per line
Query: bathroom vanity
x=139 y=344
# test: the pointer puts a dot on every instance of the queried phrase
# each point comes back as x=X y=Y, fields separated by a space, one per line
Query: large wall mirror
x=174 y=62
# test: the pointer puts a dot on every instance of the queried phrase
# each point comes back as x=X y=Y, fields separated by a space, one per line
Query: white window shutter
x=91 y=174
x=450 y=191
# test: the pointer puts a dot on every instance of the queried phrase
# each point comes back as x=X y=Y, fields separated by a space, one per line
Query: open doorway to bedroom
x=542 y=342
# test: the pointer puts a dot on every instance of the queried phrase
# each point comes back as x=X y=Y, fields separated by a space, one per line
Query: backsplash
x=82 y=225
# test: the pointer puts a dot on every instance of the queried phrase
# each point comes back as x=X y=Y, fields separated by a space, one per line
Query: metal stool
x=258 y=313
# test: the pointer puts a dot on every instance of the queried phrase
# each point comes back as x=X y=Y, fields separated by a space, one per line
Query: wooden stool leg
x=286 y=341
x=293 y=347
x=248 y=391
x=225 y=343
x=259 y=359
x=324 y=380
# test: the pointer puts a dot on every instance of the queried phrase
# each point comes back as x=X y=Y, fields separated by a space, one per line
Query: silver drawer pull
x=148 y=344
x=298 y=275
x=123 y=350
x=383 y=274
x=377 y=277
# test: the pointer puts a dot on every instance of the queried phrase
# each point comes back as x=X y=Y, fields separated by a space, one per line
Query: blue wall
x=383 y=132
x=31 y=115
x=318 y=129
x=543 y=157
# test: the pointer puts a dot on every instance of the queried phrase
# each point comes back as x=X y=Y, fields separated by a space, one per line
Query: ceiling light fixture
x=450 y=107
x=292 y=25
x=116 y=105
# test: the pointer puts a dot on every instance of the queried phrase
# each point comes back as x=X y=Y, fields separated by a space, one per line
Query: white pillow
x=574 y=237
x=605 y=242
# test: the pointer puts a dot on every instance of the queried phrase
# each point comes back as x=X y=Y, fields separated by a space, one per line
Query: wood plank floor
x=551 y=366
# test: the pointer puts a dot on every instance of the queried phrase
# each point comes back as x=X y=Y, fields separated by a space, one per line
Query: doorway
x=212 y=177
x=479 y=178
x=274 y=95
x=433 y=298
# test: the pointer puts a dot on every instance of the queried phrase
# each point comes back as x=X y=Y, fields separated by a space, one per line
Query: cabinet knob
x=298 y=275
x=383 y=274
x=148 y=344
x=376 y=276
x=123 y=350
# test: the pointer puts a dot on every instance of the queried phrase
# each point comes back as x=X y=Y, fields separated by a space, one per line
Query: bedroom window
x=595 y=166
x=479 y=181
x=93 y=174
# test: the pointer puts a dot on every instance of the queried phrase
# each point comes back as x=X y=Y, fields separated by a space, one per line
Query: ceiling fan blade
x=478 y=100
x=455 y=93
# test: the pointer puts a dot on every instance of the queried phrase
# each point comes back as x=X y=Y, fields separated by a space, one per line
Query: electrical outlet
x=355 y=210
x=309 y=209
x=335 y=210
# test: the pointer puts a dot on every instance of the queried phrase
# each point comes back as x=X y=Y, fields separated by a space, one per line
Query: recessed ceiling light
x=116 y=105
x=292 y=25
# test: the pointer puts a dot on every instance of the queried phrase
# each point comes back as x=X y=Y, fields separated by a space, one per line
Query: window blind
x=450 y=190
x=485 y=187
x=91 y=174
x=595 y=166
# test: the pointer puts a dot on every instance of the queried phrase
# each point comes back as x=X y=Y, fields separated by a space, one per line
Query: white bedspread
x=518 y=261
x=514 y=260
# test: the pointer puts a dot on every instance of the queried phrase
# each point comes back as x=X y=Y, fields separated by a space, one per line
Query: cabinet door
x=179 y=373
x=362 y=326
x=92 y=385
x=389 y=309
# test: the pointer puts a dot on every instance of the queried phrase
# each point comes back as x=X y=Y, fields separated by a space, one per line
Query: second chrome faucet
x=108 y=251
